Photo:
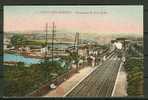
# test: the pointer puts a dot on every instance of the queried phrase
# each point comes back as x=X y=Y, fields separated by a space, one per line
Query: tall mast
x=53 y=33
x=46 y=41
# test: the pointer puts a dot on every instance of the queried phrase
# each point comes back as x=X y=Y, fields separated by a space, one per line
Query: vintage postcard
x=72 y=51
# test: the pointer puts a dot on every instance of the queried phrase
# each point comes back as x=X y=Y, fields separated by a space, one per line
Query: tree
x=18 y=40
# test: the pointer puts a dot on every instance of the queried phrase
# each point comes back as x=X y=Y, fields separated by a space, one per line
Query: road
x=100 y=82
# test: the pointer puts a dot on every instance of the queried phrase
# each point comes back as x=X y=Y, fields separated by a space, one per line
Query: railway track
x=101 y=81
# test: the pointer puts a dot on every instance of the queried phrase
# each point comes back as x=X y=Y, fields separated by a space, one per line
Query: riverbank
x=121 y=86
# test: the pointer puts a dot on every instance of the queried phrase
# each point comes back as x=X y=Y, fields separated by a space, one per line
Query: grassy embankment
x=21 y=80
x=134 y=68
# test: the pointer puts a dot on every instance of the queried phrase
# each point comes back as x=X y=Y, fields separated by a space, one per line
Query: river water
x=28 y=60
x=19 y=58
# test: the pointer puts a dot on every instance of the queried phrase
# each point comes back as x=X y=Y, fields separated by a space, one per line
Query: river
x=19 y=58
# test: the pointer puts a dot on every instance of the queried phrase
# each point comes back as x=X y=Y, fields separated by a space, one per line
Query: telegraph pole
x=77 y=49
x=53 y=33
x=75 y=41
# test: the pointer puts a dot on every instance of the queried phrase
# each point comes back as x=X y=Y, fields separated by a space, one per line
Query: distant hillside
x=66 y=36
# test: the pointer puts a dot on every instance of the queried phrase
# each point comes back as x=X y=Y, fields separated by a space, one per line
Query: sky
x=97 y=19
